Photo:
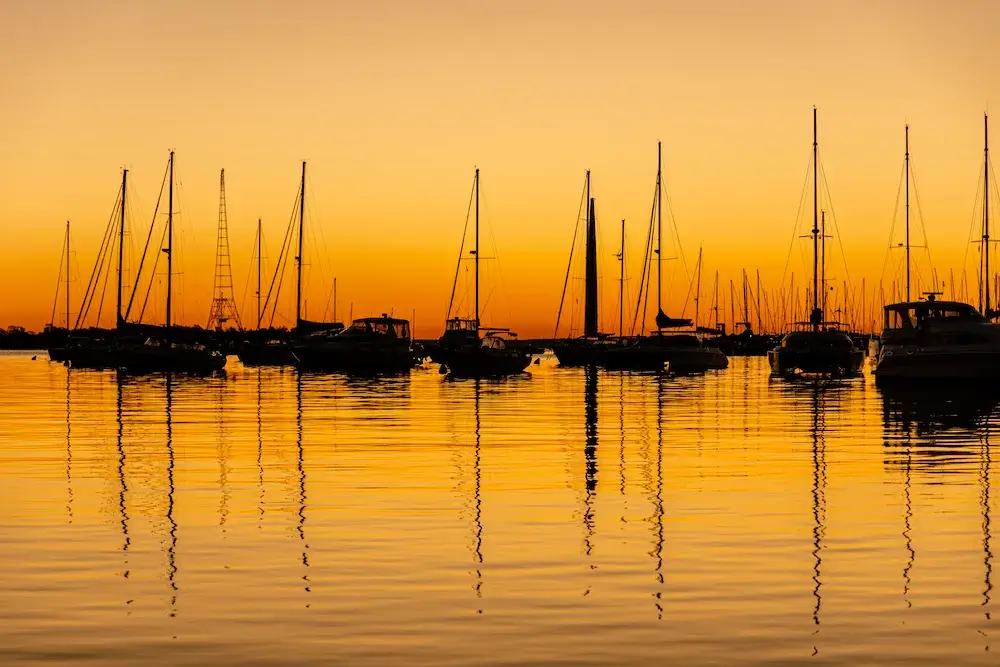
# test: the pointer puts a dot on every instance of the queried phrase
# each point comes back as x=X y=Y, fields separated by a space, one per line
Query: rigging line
x=836 y=228
x=279 y=267
x=461 y=250
x=920 y=216
x=59 y=280
x=105 y=257
x=972 y=223
x=104 y=291
x=892 y=228
x=798 y=217
x=91 y=284
x=149 y=237
x=673 y=226
x=152 y=277
x=642 y=294
x=569 y=264
x=491 y=236
x=251 y=270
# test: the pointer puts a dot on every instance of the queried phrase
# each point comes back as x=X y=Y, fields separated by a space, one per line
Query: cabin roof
x=930 y=305
x=380 y=320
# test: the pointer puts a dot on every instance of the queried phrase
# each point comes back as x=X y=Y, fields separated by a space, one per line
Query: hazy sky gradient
x=394 y=103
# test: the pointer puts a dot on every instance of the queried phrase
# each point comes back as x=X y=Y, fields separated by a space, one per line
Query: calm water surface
x=564 y=518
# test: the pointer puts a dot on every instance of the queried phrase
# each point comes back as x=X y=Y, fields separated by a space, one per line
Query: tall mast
x=621 y=286
x=746 y=302
x=760 y=297
x=298 y=279
x=259 y=244
x=590 y=324
x=822 y=260
x=67 y=276
x=908 y=212
x=119 y=320
x=659 y=229
x=816 y=315
x=477 y=249
x=716 y=299
x=335 y=299
x=697 y=291
x=170 y=241
x=986 y=211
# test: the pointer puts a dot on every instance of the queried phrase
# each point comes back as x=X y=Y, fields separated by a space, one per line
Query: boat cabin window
x=909 y=316
x=458 y=324
x=494 y=343
x=380 y=327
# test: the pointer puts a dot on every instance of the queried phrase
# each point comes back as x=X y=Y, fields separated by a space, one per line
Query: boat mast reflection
x=477 y=514
x=590 y=455
x=984 y=479
x=260 y=456
x=172 y=547
x=300 y=467
x=223 y=452
x=69 y=455
x=818 y=501
x=122 y=483
x=658 y=500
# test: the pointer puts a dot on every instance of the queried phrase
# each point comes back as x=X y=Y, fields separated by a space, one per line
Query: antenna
x=223 y=299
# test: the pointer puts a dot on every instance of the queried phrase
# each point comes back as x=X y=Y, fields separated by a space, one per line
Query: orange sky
x=394 y=103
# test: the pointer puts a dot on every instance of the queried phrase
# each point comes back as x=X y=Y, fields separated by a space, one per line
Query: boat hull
x=143 y=360
x=354 y=358
x=484 y=362
x=266 y=354
x=676 y=360
x=578 y=353
x=911 y=362
x=786 y=361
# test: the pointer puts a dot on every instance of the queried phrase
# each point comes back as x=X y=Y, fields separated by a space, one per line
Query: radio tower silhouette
x=223 y=301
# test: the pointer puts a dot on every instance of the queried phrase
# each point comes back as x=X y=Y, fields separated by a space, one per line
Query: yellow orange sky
x=394 y=103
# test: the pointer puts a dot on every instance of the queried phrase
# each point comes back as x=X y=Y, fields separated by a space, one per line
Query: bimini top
x=912 y=313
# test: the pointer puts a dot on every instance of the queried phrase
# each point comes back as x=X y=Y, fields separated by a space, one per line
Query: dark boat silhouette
x=590 y=348
x=264 y=347
x=820 y=348
x=370 y=344
x=467 y=349
x=675 y=343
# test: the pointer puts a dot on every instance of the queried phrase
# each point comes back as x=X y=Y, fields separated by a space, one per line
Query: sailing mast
x=590 y=298
x=67 y=276
x=697 y=291
x=621 y=286
x=119 y=320
x=986 y=213
x=170 y=241
x=659 y=233
x=816 y=316
x=298 y=259
x=259 y=244
x=476 y=251
x=908 y=212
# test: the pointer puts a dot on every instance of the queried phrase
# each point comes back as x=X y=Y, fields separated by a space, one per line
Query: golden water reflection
x=569 y=516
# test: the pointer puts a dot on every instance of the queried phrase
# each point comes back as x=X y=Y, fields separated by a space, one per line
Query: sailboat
x=264 y=347
x=942 y=340
x=100 y=352
x=60 y=352
x=674 y=344
x=589 y=349
x=820 y=349
x=467 y=349
x=160 y=351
